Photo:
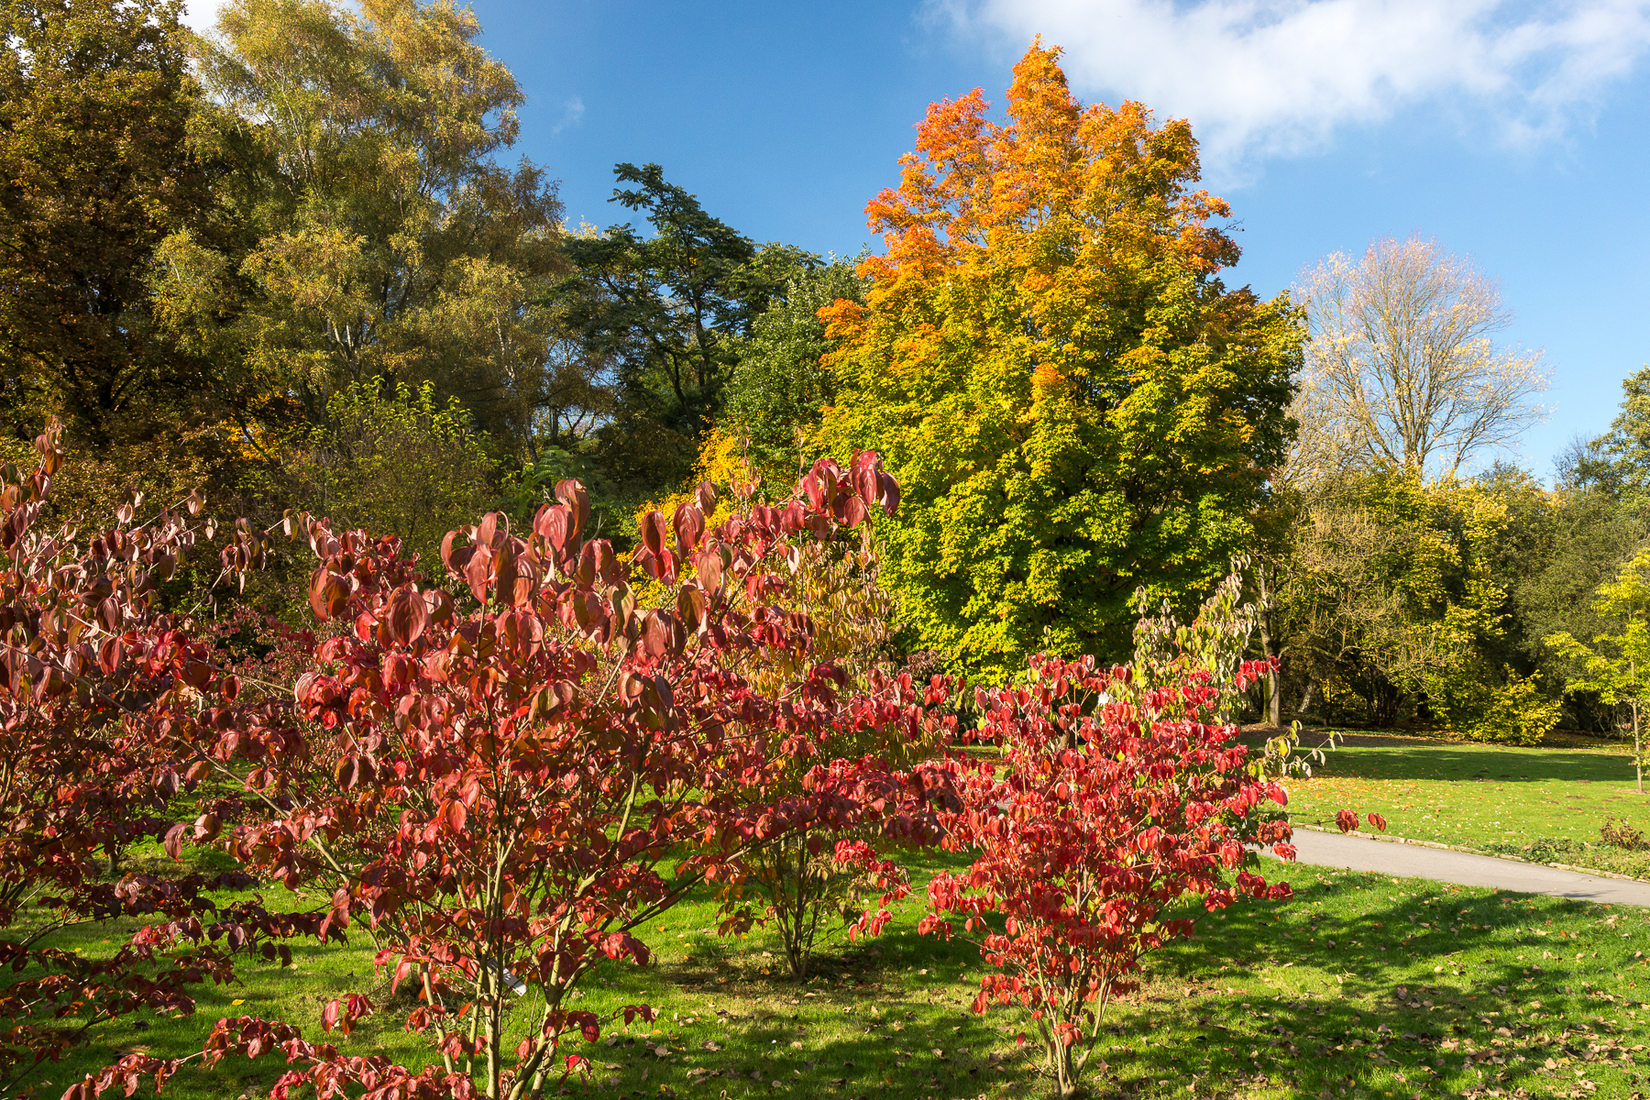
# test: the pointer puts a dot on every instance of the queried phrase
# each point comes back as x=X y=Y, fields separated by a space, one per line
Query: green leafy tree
x=666 y=310
x=95 y=171
x=367 y=229
x=401 y=463
x=1075 y=404
x=1617 y=665
x=1618 y=462
x=779 y=388
x=1396 y=597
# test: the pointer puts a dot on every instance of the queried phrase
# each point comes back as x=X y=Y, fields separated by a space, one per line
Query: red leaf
x=689 y=523
x=653 y=532
x=406 y=617
x=479 y=572
x=453 y=816
x=493 y=529
x=553 y=525
x=572 y=494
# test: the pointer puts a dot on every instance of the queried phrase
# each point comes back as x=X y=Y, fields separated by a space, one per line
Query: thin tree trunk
x=1638 y=749
x=1306 y=696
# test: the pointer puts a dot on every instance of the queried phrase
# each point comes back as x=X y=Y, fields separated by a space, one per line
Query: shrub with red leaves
x=104 y=698
x=1103 y=817
x=508 y=775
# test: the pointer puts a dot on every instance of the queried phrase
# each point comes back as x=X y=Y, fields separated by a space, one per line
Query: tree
x=1617 y=462
x=1111 y=803
x=508 y=784
x=779 y=388
x=1400 y=597
x=95 y=170
x=1073 y=402
x=1617 y=665
x=666 y=311
x=1402 y=370
x=366 y=229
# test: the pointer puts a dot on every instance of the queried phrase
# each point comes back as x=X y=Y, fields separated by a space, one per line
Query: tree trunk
x=1638 y=749
x=1063 y=1063
x=1307 y=700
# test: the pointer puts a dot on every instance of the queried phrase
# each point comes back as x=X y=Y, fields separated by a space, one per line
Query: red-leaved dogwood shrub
x=844 y=783
x=843 y=787
x=505 y=776
x=104 y=698
x=1102 y=818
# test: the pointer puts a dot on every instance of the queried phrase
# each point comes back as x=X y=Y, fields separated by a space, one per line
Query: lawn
x=1545 y=804
x=1360 y=986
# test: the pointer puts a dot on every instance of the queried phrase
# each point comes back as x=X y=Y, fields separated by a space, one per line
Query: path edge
x=1390 y=839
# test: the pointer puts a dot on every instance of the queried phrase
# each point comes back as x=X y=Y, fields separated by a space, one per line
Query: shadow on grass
x=1360 y=986
x=1480 y=765
x=1432 y=991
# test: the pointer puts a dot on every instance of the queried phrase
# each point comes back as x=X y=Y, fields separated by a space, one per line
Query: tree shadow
x=1361 y=985
x=1396 y=996
x=1475 y=765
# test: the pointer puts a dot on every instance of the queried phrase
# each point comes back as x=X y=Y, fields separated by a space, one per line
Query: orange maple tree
x=1073 y=401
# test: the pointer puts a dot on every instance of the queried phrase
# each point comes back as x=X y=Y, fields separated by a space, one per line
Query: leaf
x=573 y=495
x=653 y=532
x=407 y=617
x=453 y=816
x=479 y=572
x=689 y=524
x=690 y=607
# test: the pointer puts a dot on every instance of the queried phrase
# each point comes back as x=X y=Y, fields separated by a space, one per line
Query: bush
x=1512 y=712
x=1113 y=805
x=509 y=778
x=1621 y=834
x=399 y=464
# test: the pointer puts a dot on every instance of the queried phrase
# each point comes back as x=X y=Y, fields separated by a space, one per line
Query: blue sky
x=1517 y=133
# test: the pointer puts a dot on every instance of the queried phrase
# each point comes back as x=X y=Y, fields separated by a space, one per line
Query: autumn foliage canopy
x=1074 y=405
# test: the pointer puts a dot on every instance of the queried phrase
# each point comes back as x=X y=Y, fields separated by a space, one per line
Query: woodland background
x=295 y=267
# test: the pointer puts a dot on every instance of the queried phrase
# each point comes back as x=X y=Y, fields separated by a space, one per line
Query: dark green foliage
x=95 y=102
x=665 y=312
x=778 y=387
x=1618 y=462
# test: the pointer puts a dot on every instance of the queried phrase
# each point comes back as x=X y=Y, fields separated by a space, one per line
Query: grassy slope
x=1361 y=986
x=1540 y=803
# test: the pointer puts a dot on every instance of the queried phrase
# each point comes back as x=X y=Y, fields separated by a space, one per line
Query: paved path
x=1362 y=853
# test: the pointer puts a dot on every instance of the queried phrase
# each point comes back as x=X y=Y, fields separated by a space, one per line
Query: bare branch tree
x=1401 y=369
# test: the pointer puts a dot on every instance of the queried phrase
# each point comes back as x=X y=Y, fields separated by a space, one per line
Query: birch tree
x=1403 y=368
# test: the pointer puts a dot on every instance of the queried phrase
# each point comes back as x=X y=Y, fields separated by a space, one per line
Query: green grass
x=1544 y=804
x=1361 y=987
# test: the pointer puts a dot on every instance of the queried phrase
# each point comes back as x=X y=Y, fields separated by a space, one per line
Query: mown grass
x=1542 y=804
x=1361 y=986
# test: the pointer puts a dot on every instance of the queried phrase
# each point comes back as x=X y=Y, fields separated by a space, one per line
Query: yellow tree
x=1073 y=402
x=1617 y=666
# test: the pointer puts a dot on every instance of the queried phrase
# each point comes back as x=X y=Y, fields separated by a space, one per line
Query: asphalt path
x=1363 y=853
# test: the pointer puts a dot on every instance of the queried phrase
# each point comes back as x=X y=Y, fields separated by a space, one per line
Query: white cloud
x=1264 y=78
x=572 y=113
